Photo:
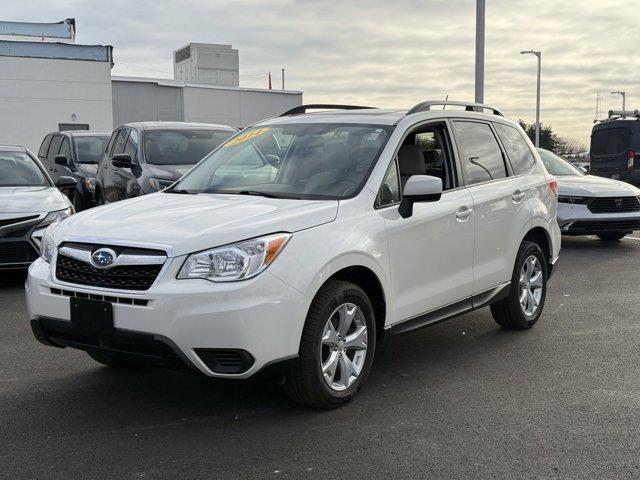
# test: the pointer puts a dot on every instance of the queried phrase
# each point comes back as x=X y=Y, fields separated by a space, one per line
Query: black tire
x=306 y=384
x=76 y=200
x=507 y=312
x=99 y=198
x=611 y=236
x=109 y=361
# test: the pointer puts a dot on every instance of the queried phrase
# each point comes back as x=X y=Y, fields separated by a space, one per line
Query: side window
x=481 y=154
x=65 y=148
x=425 y=151
x=517 y=148
x=389 y=193
x=42 y=153
x=132 y=144
x=120 y=142
x=54 y=148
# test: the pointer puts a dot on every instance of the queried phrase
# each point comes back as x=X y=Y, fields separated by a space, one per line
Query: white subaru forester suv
x=303 y=240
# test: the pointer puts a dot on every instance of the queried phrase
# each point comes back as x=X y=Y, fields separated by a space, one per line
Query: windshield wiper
x=181 y=191
x=258 y=193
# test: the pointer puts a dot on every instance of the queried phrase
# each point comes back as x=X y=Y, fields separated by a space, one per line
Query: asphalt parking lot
x=463 y=399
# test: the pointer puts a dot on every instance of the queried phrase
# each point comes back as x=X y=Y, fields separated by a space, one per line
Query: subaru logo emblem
x=103 y=258
x=618 y=202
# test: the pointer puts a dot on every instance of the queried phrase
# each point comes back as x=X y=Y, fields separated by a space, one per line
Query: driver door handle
x=517 y=196
x=464 y=213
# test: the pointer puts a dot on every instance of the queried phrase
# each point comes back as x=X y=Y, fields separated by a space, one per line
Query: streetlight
x=624 y=98
x=539 y=55
x=480 y=8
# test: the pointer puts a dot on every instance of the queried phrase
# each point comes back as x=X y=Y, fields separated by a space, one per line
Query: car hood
x=168 y=172
x=593 y=186
x=189 y=223
x=31 y=199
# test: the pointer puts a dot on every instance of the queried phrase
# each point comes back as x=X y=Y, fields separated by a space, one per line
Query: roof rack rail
x=624 y=113
x=469 y=106
x=316 y=106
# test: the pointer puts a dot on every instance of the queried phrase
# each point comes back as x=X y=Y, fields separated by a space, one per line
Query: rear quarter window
x=610 y=141
x=518 y=150
x=44 y=148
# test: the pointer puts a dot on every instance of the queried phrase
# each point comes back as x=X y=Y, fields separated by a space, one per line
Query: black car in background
x=146 y=157
x=615 y=147
x=75 y=154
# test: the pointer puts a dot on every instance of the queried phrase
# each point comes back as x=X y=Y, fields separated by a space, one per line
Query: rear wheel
x=337 y=347
x=523 y=306
x=76 y=200
x=99 y=198
x=611 y=236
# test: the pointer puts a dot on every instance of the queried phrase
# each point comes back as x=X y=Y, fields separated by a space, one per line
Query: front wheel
x=337 y=347
x=611 y=236
x=523 y=306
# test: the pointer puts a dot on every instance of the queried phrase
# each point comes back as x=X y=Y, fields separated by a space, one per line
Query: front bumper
x=262 y=316
x=576 y=219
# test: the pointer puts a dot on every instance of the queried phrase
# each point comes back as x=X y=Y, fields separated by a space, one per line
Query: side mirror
x=122 y=160
x=419 y=188
x=62 y=160
x=66 y=182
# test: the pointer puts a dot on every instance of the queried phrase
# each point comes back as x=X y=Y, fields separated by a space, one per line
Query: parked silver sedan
x=590 y=205
x=29 y=202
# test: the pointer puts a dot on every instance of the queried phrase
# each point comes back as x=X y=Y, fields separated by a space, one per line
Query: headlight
x=56 y=216
x=569 y=199
x=47 y=246
x=160 y=184
x=89 y=183
x=234 y=262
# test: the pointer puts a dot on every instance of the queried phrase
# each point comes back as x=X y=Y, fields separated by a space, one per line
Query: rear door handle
x=464 y=213
x=518 y=196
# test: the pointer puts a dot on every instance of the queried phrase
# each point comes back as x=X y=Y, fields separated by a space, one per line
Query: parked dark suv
x=75 y=154
x=147 y=157
x=615 y=147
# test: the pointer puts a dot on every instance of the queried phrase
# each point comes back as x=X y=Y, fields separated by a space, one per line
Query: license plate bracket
x=91 y=315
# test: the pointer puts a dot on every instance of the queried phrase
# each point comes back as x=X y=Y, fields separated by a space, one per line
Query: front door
x=431 y=252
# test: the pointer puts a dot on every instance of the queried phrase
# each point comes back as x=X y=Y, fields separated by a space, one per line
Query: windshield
x=20 y=170
x=181 y=147
x=308 y=161
x=90 y=149
x=610 y=141
x=557 y=166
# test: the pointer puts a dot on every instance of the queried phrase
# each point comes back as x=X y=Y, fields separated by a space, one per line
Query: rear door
x=610 y=149
x=502 y=215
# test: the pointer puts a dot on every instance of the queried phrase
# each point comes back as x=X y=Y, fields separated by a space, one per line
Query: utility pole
x=539 y=55
x=624 y=98
x=480 y=14
x=283 y=79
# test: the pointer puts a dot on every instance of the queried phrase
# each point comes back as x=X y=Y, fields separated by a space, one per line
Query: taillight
x=631 y=156
x=552 y=183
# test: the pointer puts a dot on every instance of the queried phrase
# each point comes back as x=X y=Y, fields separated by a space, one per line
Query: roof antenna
x=446 y=98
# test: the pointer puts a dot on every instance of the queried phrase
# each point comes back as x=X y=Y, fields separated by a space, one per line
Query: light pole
x=624 y=98
x=480 y=7
x=539 y=55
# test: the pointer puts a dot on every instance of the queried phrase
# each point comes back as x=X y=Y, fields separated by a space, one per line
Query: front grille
x=225 y=360
x=134 y=277
x=588 y=227
x=614 y=205
x=20 y=232
x=17 y=252
x=11 y=221
x=140 y=302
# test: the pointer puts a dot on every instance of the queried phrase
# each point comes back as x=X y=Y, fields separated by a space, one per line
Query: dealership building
x=48 y=82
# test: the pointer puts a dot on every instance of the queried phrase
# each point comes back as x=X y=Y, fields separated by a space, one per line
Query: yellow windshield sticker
x=243 y=137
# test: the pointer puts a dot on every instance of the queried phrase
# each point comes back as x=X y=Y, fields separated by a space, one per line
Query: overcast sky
x=387 y=53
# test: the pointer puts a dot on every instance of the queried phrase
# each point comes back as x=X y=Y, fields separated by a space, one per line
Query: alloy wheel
x=343 y=346
x=531 y=282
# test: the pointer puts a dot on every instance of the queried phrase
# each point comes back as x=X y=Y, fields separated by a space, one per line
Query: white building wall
x=235 y=107
x=36 y=94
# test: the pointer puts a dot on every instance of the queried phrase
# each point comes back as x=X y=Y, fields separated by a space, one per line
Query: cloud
x=385 y=53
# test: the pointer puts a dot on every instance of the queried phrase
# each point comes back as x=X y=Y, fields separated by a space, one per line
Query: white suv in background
x=302 y=240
